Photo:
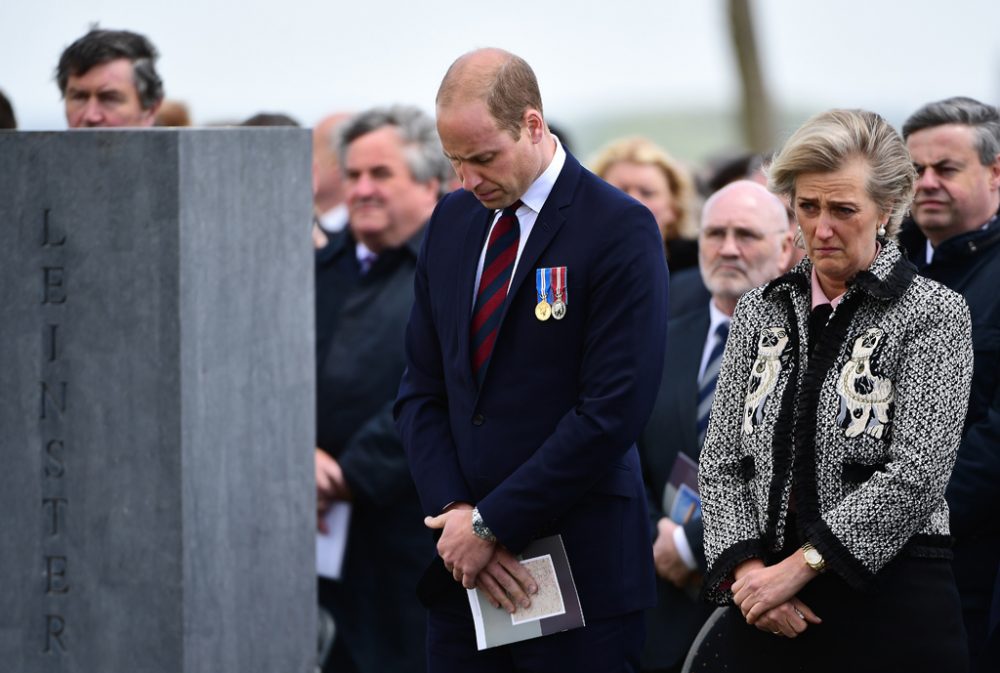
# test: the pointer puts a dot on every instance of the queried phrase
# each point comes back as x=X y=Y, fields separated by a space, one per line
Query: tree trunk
x=756 y=121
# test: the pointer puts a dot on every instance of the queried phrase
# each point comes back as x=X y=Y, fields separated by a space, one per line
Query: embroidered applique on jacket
x=865 y=398
x=763 y=375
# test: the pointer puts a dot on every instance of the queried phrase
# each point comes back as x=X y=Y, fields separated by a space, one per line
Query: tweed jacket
x=861 y=434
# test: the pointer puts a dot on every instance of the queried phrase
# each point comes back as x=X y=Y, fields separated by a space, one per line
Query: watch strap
x=814 y=559
x=479 y=528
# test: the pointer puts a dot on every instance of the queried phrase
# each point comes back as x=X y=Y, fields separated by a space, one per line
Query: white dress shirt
x=533 y=200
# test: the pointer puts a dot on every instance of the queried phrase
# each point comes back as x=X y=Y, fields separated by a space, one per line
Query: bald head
x=327 y=125
x=752 y=196
x=503 y=81
x=325 y=140
x=326 y=168
x=744 y=241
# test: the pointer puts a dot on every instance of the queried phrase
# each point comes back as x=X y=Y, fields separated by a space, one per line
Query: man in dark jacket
x=954 y=238
x=394 y=172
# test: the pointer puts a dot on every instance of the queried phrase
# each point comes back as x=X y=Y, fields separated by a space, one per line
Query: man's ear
x=149 y=115
x=534 y=123
x=995 y=173
x=787 y=247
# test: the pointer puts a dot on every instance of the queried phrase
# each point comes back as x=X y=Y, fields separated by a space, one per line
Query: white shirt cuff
x=684 y=549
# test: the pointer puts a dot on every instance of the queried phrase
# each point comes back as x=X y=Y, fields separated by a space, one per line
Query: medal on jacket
x=559 y=292
x=542 y=308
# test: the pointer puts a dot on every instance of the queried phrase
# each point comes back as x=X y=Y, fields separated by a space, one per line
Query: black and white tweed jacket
x=865 y=429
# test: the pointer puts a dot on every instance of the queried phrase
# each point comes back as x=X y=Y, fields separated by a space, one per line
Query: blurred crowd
x=378 y=175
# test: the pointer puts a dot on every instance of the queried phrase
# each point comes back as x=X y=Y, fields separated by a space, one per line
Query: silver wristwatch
x=479 y=528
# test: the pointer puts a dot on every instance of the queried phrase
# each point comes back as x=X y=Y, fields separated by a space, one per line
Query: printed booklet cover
x=680 y=497
x=555 y=608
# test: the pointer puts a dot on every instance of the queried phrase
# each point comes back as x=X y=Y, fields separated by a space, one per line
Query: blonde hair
x=830 y=140
x=645 y=152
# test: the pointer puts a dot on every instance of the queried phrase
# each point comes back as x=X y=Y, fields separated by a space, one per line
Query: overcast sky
x=229 y=60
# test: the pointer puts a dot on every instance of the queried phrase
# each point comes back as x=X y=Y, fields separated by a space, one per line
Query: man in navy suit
x=743 y=242
x=531 y=370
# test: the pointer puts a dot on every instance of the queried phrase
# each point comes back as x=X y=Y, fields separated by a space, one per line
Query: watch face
x=479 y=528
x=813 y=557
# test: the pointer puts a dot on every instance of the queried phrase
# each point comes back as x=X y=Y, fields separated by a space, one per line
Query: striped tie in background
x=706 y=386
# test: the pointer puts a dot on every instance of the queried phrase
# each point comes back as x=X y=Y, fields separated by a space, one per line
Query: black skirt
x=909 y=620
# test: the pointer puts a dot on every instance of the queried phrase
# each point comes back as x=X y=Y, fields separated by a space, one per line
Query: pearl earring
x=881 y=231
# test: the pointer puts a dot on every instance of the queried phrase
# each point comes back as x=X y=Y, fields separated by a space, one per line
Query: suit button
x=478 y=420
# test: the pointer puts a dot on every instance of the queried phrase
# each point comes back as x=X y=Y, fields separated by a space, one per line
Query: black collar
x=344 y=240
x=887 y=278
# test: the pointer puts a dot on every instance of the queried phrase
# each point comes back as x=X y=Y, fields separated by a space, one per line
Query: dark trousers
x=370 y=637
x=611 y=645
x=976 y=565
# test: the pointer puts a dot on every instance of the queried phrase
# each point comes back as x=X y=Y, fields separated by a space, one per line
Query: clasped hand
x=331 y=485
x=766 y=595
x=477 y=563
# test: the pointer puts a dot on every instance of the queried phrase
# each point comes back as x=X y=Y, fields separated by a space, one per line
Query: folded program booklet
x=555 y=608
x=680 y=496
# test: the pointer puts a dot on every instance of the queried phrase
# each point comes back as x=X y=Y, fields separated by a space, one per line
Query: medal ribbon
x=559 y=283
x=542 y=284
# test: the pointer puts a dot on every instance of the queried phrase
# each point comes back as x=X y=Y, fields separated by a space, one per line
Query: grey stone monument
x=157 y=405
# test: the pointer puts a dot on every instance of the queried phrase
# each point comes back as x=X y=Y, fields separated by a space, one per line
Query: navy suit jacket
x=672 y=429
x=547 y=444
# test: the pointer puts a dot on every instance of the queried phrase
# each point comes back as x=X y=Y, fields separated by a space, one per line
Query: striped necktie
x=501 y=252
x=706 y=386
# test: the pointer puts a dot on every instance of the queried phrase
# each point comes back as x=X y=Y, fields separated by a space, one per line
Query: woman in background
x=648 y=174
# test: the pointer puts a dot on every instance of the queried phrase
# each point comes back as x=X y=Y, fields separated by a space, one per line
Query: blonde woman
x=835 y=426
x=648 y=174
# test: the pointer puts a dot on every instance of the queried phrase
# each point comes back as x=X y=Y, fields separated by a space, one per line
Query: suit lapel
x=547 y=225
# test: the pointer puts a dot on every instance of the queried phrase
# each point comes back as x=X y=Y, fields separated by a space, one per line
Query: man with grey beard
x=744 y=242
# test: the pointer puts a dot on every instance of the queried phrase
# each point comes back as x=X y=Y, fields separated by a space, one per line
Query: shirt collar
x=818 y=296
x=715 y=317
x=929 y=250
x=362 y=252
x=540 y=189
